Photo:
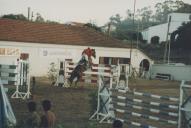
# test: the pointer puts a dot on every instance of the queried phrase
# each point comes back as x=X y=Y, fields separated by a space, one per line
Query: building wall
x=161 y=30
x=178 y=72
x=180 y=17
x=41 y=55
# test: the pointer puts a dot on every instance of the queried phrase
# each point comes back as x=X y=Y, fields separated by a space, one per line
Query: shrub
x=52 y=73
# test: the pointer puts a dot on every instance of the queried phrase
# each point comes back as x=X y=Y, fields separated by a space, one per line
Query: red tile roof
x=24 y=31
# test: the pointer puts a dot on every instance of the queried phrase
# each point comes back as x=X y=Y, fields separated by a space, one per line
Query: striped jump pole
x=23 y=81
x=8 y=74
x=69 y=67
x=153 y=110
x=145 y=116
x=161 y=109
x=148 y=95
x=161 y=105
x=60 y=80
x=145 y=110
x=137 y=124
x=18 y=75
x=91 y=76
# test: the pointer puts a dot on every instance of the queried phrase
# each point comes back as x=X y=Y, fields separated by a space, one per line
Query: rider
x=86 y=56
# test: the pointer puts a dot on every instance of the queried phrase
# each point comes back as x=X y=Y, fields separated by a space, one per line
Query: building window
x=106 y=60
x=124 y=60
x=113 y=60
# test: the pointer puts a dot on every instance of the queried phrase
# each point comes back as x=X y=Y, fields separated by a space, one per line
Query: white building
x=161 y=30
x=46 y=43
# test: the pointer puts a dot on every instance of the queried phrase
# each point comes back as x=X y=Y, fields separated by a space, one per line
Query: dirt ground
x=72 y=105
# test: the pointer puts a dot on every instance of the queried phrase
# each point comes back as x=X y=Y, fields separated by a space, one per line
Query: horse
x=84 y=63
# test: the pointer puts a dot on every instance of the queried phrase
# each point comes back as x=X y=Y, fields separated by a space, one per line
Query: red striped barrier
x=92 y=75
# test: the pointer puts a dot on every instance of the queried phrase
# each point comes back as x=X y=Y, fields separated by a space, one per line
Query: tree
x=163 y=9
x=39 y=18
x=185 y=8
x=52 y=22
x=183 y=40
x=93 y=26
x=145 y=14
x=15 y=16
x=123 y=30
x=115 y=20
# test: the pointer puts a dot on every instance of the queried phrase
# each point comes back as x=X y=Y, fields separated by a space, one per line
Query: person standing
x=48 y=118
x=33 y=119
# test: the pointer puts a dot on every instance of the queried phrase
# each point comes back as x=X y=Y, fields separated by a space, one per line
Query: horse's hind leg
x=69 y=82
x=71 y=78
x=76 y=82
x=79 y=77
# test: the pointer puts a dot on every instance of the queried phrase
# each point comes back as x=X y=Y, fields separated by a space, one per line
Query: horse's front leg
x=91 y=67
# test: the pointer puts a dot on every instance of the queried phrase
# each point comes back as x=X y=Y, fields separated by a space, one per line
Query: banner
x=9 y=51
x=55 y=52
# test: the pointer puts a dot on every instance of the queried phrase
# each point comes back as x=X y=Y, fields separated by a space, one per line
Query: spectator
x=33 y=119
x=48 y=119
x=117 y=124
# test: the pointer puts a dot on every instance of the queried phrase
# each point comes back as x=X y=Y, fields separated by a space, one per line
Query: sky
x=63 y=11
